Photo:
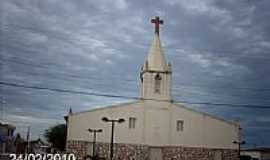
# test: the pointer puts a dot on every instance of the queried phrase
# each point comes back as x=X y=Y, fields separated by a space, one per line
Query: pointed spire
x=70 y=111
x=156 y=59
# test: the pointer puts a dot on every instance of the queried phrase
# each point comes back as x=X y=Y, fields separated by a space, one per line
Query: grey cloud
x=219 y=51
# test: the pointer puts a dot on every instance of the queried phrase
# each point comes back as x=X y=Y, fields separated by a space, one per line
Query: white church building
x=155 y=127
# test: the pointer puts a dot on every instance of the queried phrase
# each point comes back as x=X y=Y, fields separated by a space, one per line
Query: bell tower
x=155 y=75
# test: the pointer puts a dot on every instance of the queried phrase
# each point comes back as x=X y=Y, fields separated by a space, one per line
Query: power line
x=134 y=81
x=124 y=87
x=250 y=106
x=85 y=82
x=65 y=90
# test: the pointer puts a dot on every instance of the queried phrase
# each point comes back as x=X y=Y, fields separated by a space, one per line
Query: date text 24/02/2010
x=42 y=156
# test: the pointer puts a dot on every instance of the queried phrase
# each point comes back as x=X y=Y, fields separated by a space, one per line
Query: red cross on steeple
x=157 y=22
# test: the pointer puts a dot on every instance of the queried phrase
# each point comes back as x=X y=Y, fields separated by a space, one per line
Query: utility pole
x=28 y=140
x=112 y=121
x=239 y=142
x=95 y=131
x=3 y=102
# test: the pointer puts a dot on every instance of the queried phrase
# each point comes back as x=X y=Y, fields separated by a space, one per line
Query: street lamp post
x=95 y=131
x=105 y=119
x=239 y=142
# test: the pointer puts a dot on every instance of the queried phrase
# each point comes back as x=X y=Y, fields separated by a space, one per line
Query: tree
x=56 y=135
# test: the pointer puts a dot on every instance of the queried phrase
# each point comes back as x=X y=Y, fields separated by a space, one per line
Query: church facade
x=155 y=127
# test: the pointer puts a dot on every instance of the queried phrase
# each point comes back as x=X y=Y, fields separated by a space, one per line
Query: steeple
x=156 y=59
x=69 y=113
x=156 y=73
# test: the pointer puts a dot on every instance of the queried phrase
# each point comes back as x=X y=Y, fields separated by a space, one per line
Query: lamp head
x=121 y=120
x=105 y=119
x=99 y=130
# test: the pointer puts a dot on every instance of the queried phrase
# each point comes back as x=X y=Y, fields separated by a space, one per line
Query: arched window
x=157 y=83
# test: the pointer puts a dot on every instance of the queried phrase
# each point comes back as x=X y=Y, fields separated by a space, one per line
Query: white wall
x=79 y=123
x=157 y=123
x=156 y=126
x=202 y=130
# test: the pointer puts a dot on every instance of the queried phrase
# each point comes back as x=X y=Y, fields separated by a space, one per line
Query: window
x=157 y=83
x=179 y=125
x=132 y=121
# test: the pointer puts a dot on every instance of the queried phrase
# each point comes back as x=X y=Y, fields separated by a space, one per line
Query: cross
x=157 y=22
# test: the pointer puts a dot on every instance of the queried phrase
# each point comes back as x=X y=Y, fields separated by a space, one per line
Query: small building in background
x=6 y=137
x=257 y=153
x=39 y=146
x=34 y=146
x=20 y=144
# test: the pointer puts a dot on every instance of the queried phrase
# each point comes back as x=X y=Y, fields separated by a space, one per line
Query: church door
x=155 y=154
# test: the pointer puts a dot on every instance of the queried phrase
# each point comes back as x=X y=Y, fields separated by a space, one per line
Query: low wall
x=192 y=153
x=121 y=151
x=142 y=152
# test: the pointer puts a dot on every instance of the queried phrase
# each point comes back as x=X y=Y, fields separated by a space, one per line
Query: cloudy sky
x=219 y=50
